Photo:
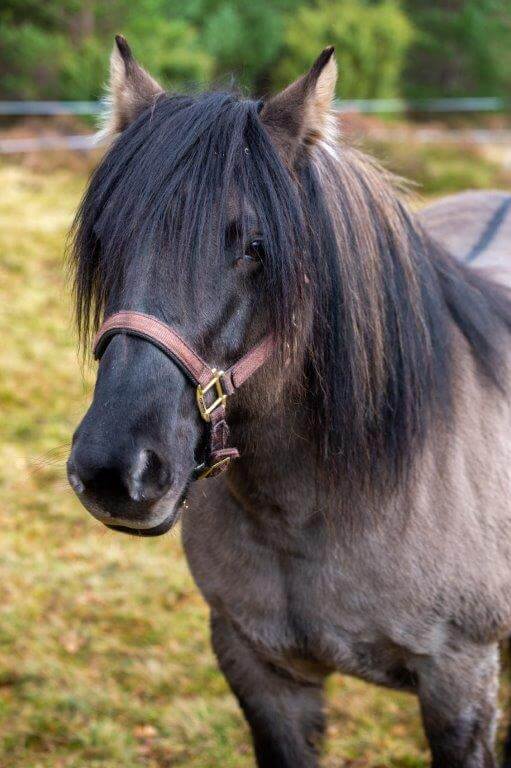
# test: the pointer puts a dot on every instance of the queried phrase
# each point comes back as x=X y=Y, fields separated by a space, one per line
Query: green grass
x=104 y=653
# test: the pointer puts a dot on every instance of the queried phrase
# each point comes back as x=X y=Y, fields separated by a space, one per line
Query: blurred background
x=104 y=653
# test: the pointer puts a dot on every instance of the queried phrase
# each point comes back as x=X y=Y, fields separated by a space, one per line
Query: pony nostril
x=149 y=477
x=74 y=478
x=76 y=484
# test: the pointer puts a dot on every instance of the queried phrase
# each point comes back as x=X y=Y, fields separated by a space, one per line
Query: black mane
x=338 y=240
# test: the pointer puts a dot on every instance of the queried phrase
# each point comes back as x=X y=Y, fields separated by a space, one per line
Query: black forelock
x=164 y=189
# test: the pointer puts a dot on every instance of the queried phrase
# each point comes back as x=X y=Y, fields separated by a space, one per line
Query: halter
x=213 y=386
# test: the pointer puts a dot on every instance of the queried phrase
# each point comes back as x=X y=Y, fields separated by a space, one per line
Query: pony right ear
x=131 y=89
x=302 y=113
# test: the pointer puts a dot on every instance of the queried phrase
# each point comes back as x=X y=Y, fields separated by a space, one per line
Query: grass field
x=104 y=654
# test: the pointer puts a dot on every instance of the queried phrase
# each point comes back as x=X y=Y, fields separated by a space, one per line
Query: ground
x=104 y=652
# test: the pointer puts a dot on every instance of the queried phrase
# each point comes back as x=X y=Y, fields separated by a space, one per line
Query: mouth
x=158 y=528
x=159 y=520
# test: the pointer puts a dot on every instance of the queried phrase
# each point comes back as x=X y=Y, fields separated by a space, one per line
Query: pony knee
x=458 y=697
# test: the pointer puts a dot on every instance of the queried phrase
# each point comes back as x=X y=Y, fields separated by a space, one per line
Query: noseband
x=212 y=386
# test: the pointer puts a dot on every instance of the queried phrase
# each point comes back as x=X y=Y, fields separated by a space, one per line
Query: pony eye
x=254 y=250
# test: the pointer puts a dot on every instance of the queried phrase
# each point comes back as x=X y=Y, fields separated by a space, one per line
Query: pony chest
x=294 y=617
x=303 y=612
x=306 y=638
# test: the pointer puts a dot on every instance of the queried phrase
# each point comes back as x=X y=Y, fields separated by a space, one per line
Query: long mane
x=383 y=343
x=341 y=248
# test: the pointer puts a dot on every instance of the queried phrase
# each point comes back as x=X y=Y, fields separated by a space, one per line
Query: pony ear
x=301 y=114
x=131 y=89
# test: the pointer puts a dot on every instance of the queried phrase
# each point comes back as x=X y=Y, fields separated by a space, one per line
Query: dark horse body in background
x=366 y=526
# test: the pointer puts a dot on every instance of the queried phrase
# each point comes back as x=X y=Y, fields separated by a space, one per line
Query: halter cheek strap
x=212 y=386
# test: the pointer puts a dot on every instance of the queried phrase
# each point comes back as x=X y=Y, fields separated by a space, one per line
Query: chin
x=158 y=519
x=154 y=530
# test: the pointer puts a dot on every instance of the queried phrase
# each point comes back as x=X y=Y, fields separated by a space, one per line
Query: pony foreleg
x=458 y=697
x=285 y=717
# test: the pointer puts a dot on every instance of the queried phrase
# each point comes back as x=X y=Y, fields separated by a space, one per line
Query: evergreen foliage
x=58 y=49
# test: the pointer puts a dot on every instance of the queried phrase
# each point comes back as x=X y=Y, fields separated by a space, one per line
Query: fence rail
x=37 y=108
x=362 y=106
x=397 y=106
x=464 y=104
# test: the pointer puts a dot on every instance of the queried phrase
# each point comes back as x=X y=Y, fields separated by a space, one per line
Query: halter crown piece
x=213 y=386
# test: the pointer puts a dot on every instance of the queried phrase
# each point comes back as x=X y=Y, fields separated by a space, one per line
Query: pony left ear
x=301 y=114
x=131 y=89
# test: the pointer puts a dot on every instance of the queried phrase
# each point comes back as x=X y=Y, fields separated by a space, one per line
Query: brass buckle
x=221 y=397
x=209 y=470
